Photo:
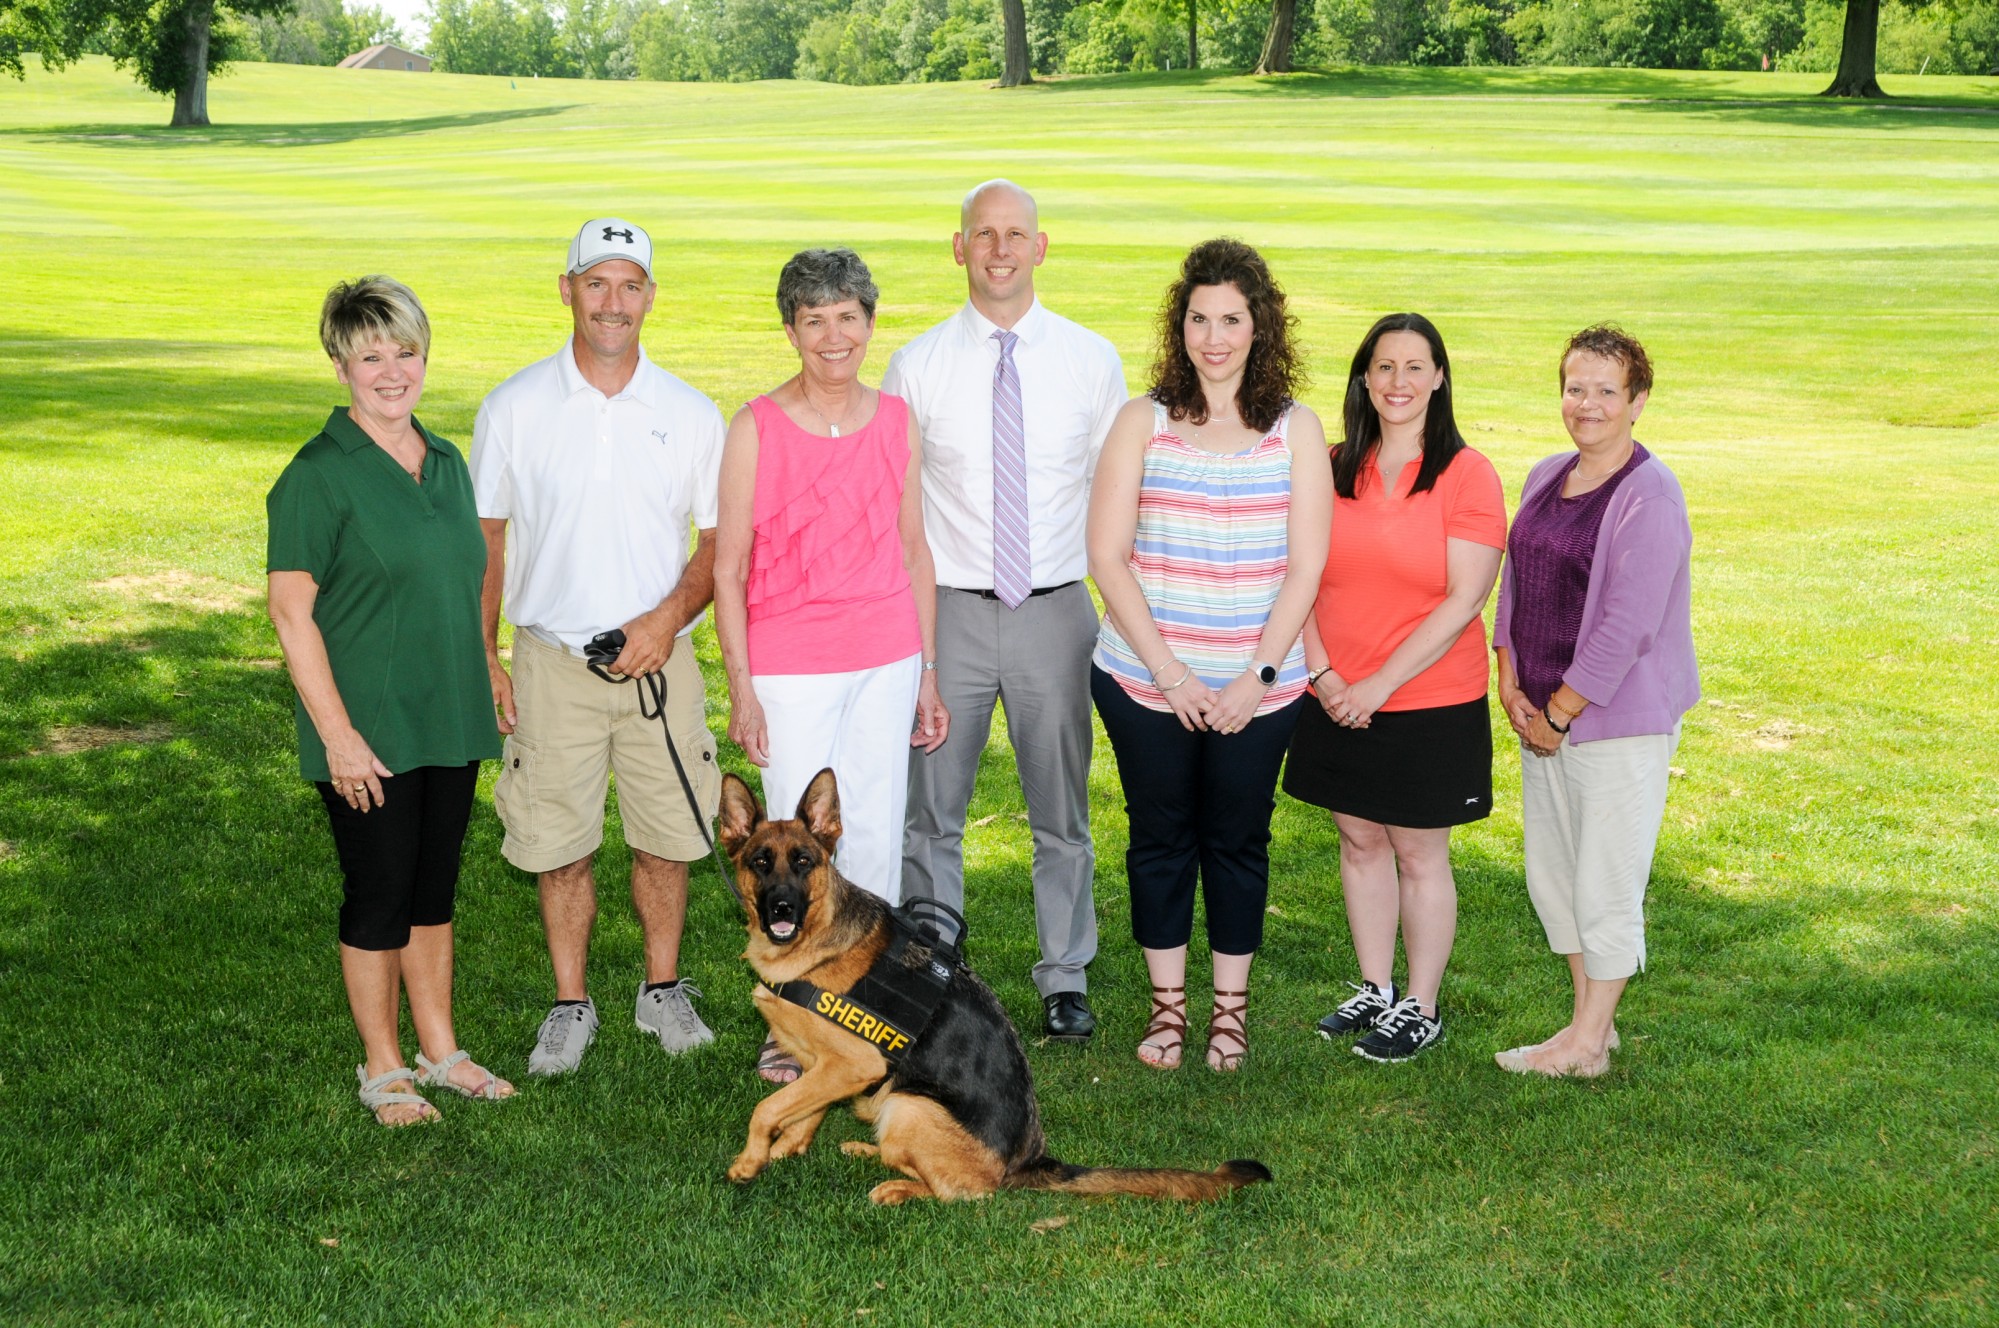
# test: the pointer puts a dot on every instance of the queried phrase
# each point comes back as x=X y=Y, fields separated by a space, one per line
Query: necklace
x=416 y=474
x=832 y=426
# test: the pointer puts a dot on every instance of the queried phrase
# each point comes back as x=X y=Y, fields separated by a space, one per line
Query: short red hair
x=1611 y=342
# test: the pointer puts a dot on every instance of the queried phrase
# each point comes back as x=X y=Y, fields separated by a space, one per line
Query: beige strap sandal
x=375 y=1095
x=437 y=1074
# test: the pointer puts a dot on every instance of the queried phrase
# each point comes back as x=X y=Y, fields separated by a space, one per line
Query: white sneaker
x=668 y=1014
x=565 y=1035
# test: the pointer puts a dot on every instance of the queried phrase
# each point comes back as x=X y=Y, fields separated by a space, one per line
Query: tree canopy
x=172 y=45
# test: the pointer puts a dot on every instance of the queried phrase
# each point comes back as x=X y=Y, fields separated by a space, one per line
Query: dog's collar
x=893 y=1002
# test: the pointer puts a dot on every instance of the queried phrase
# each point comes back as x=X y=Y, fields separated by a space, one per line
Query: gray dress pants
x=1035 y=659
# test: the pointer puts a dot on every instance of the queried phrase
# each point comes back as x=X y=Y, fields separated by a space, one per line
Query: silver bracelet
x=1167 y=687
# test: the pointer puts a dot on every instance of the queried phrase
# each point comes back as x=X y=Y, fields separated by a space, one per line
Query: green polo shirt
x=398 y=565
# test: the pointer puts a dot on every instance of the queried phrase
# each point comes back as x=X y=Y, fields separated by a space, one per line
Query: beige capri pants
x=1591 y=815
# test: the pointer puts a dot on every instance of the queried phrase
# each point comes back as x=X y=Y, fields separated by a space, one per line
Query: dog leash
x=653 y=686
x=602 y=650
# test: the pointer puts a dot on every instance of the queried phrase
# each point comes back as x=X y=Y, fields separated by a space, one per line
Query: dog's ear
x=741 y=813
x=820 y=809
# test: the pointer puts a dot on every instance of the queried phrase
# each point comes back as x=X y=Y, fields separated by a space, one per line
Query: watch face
x=1266 y=674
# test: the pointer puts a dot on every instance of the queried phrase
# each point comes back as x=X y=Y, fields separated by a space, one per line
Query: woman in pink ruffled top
x=825 y=600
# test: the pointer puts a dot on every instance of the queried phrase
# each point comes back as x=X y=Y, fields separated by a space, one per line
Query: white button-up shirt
x=599 y=492
x=1071 y=387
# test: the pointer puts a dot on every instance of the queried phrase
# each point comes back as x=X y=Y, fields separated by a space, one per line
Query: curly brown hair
x=1611 y=342
x=1273 y=375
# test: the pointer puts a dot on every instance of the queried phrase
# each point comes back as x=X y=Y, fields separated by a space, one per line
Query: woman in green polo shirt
x=375 y=564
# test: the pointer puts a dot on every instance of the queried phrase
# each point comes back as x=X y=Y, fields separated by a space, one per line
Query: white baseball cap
x=605 y=238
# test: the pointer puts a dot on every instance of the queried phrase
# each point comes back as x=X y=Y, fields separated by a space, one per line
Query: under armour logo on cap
x=605 y=238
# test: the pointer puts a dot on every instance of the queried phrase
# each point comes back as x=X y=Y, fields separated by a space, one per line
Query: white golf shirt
x=1071 y=387
x=598 y=492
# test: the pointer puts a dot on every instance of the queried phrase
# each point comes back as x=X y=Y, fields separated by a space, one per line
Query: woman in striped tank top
x=1208 y=528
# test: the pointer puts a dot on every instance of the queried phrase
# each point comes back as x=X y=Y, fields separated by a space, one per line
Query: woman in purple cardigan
x=1596 y=667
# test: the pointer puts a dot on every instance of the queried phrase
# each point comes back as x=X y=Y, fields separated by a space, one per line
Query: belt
x=994 y=594
x=549 y=639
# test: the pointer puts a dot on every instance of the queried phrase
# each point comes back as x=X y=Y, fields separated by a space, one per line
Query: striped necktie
x=1012 y=564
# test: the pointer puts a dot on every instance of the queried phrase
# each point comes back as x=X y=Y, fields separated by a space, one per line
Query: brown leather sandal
x=1163 y=1022
x=1227 y=1062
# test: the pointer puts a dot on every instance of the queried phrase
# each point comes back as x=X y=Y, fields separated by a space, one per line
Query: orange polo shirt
x=1387 y=571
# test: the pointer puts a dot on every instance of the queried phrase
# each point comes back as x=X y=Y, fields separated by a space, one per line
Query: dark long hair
x=1441 y=439
x=1272 y=374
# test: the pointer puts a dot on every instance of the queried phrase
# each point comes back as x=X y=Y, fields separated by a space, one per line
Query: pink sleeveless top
x=827 y=589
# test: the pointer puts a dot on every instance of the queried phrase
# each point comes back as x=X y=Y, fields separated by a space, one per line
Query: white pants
x=859 y=724
x=1591 y=816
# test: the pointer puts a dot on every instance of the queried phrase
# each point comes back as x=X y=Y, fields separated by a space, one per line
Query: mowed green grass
x=1801 y=1127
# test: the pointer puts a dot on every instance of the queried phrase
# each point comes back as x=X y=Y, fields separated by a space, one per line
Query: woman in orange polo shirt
x=1399 y=748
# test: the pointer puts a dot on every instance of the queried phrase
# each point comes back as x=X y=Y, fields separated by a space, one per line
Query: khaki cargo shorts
x=574 y=731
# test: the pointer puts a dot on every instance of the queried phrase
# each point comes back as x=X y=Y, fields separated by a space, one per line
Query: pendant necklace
x=832 y=425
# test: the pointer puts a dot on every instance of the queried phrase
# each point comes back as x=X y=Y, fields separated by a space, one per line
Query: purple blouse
x=1552 y=545
x=1633 y=654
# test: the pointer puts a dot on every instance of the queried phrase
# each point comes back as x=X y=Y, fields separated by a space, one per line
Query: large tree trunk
x=1193 y=43
x=1276 y=57
x=1855 y=77
x=1015 y=71
x=191 y=97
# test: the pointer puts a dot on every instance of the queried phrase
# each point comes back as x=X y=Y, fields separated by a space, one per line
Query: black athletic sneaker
x=1358 y=1012
x=1401 y=1033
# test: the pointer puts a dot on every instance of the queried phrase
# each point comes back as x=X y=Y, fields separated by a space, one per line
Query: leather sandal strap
x=1163 y=1023
x=1238 y=1034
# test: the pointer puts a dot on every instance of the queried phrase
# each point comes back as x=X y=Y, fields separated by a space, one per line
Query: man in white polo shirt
x=601 y=461
x=1013 y=402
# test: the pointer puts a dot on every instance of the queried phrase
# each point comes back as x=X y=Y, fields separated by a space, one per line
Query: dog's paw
x=860 y=1148
x=892 y=1192
x=790 y=1146
x=744 y=1169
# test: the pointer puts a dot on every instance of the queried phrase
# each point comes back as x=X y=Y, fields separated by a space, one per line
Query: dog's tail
x=1045 y=1173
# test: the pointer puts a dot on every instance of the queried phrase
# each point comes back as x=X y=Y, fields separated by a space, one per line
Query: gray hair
x=359 y=313
x=817 y=277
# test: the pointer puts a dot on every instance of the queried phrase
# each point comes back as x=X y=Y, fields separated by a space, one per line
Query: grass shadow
x=1664 y=87
x=1829 y=113
x=301 y=134
x=66 y=395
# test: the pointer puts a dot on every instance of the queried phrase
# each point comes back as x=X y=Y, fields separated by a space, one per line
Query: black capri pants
x=1199 y=803
x=401 y=859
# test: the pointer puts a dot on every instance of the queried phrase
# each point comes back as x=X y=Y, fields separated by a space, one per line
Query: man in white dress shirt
x=602 y=462
x=1013 y=403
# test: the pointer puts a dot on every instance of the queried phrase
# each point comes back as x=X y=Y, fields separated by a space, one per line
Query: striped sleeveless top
x=1210 y=554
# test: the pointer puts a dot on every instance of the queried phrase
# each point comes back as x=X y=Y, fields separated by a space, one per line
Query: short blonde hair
x=359 y=313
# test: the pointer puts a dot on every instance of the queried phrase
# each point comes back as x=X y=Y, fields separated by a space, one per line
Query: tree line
x=171 y=46
x=899 y=41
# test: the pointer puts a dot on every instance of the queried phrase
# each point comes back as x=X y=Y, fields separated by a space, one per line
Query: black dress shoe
x=1069 y=1018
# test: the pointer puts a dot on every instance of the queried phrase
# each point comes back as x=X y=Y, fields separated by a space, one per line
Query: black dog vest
x=894 y=1000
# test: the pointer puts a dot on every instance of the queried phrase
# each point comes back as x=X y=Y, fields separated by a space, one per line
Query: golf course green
x=1803 y=1124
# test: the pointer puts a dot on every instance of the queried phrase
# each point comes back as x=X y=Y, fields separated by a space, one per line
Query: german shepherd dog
x=957 y=1117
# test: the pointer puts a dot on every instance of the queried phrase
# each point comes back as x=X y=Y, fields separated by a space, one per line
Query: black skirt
x=1417 y=768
